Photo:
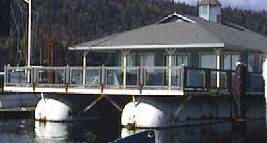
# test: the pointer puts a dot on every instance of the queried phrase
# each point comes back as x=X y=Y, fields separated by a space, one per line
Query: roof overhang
x=131 y=47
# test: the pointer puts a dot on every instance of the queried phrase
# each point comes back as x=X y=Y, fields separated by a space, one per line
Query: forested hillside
x=63 y=23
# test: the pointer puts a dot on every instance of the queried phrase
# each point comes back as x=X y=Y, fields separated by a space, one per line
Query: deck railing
x=181 y=78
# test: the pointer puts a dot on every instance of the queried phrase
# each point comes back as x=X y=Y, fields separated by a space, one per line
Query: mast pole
x=29 y=33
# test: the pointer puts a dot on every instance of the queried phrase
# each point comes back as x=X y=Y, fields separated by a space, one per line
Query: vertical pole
x=124 y=55
x=170 y=70
x=208 y=13
x=67 y=77
x=264 y=73
x=218 y=52
x=84 y=66
x=29 y=33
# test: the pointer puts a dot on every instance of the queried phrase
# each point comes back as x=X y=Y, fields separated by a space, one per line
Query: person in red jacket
x=240 y=89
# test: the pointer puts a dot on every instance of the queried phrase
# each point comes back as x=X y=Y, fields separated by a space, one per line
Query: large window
x=208 y=60
x=147 y=59
x=230 y=60
x=131 y=60
x=178 y=60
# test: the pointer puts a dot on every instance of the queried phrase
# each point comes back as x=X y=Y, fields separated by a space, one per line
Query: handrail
x=183 y=78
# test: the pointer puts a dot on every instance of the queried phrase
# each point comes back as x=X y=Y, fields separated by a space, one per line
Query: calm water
x=29 y=131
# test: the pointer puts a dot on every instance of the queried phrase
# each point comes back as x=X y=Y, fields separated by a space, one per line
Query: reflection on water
x=220 y=133
x=84 y=131
x=28 y=131
x=51 y=131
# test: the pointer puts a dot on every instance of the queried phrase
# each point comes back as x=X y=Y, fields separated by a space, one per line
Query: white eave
x=124 y=47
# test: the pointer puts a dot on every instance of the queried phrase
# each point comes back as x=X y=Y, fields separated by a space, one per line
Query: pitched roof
x=187 y=31
x=209 y=2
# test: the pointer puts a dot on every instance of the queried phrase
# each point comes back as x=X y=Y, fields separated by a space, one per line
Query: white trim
x=178 y=16
x=86 y=91
x=95 y=91
x=120 y=47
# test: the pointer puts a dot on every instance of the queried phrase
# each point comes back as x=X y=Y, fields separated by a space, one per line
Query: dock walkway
x=15 y=113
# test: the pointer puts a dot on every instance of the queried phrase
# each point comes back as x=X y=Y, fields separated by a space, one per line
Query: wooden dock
x=17 y=113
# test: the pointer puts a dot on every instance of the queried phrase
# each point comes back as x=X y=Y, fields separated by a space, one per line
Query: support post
x=124 y=70
x=170 y=71
x=84 y=66
x=218 y=66
x=124 y=66
x=170 y=53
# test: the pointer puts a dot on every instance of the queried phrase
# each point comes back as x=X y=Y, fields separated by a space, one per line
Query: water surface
x=96 y=131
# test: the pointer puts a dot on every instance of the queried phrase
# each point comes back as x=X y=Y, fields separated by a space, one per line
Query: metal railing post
x=67 y=77
x=7 y=73
x=103 y=78
x=84 y=74
x=34 y=77
x=229 y=81
x=141 y=78
x=5 y=76
x=207 y=79
x=184 y=77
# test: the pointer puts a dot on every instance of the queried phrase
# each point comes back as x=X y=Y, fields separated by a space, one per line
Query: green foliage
x=69 y=22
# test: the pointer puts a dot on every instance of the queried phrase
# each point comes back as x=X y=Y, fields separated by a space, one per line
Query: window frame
x=186 y=54
x=231 y=59
x=207 y=53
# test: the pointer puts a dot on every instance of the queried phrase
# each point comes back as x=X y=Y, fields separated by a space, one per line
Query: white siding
x=210 y=13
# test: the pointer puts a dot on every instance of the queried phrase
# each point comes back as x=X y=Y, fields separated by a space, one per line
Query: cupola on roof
x=210 y=10
x=209 y=2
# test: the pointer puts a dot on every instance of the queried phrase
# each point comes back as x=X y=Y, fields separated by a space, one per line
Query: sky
x=245 y=4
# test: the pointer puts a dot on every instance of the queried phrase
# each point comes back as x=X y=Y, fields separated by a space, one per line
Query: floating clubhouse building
x=180 y=70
